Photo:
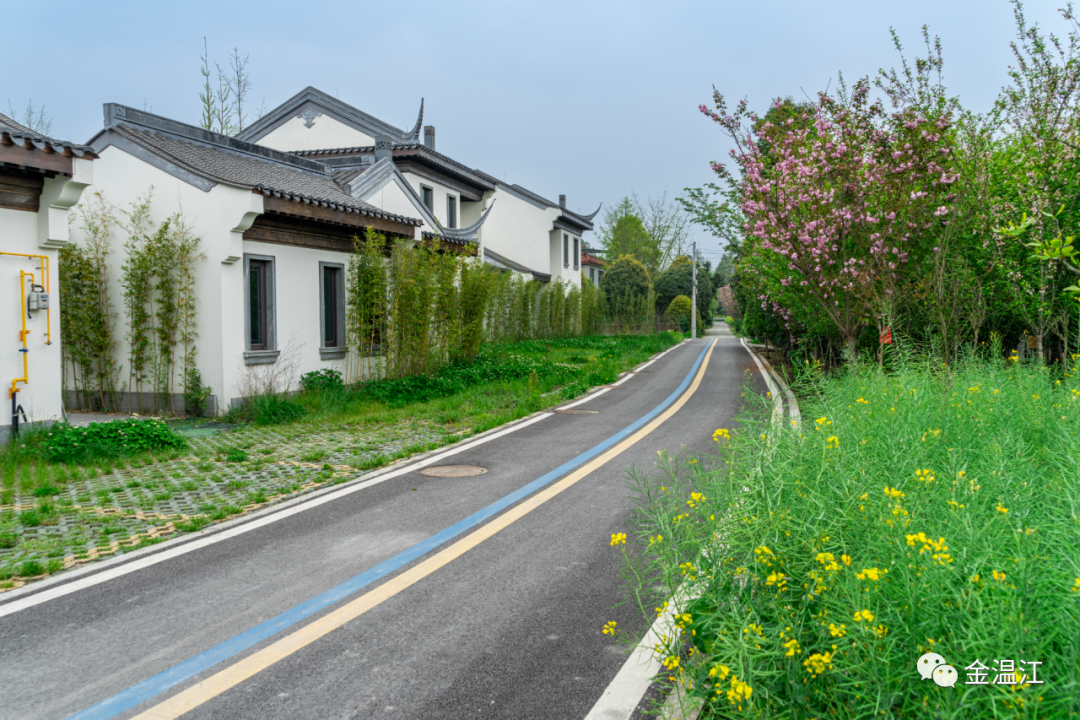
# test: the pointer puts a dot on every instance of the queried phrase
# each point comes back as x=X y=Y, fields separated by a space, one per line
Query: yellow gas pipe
x=25 y=379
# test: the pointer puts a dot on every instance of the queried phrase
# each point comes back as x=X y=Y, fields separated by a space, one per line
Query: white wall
x=41 y=397
x=519 y=230
x=122 y=179
x=393 y=199
x=297 y=318
x=326 y=133
x=441 y=193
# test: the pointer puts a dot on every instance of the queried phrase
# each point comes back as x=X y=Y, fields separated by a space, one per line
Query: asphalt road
x=510 y=629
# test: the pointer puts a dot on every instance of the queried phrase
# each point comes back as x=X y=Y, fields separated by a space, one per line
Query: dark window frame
x=427 y=197
x=451 y=211
x=565 y=250
x=267 y=300
x=336 y=305
x=577 y=253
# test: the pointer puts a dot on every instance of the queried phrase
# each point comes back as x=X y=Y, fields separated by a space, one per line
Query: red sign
x=885 y=336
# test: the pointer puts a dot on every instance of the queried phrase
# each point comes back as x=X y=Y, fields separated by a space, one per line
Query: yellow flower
x=893 y=492
x=832 y=442
x=793 y=647
x=976 y=578
x=864 y=402
x=739 y=691
x=924 y=476
x=720 y=671
x=999 y=576
x=837 y=631
x=721 y=433
x=818 y=663
x=955 y=505
x=657 y=539
x=872 y=574
x=671 y=662
x=1076 y=587
x=881 y=630
x=846 y=559
x=864 y=616
x=1001 y=509
x=937 y=548
x=828 y=561
x=822 y=421
x=618 y=539
x=609 y=627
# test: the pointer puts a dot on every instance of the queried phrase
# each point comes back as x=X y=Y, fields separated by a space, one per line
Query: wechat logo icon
x=932 y=666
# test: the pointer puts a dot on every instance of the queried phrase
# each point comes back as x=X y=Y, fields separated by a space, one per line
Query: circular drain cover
x=453 y=471
x=573 y=411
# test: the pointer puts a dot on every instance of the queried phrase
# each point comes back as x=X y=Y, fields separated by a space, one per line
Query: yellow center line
x=235 y=674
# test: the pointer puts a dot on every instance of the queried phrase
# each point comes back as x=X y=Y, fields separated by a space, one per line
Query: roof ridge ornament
x=590 y=217
x=464 y=233
x=414 y=135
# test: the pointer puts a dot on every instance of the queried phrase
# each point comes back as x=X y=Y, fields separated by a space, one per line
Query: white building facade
x=40 y=180
x=276 y=208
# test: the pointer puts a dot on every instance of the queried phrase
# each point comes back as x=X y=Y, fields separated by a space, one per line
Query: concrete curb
x=622 y=697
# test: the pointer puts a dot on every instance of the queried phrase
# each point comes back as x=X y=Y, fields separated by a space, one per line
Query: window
x=259 y=310
x=258 y=277
x=577 y=254
x=427 y=196
x=332 y=310
x=451 y=211
x=592 y=274
x=565 y=250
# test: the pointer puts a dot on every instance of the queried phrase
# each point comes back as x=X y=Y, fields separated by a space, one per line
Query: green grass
x=923 y=510
x=213 y=477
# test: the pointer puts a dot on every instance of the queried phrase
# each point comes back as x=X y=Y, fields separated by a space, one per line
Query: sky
x=594 y=100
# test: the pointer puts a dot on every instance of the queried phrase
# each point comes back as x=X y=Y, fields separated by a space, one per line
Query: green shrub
x=270 y=410
x=326 y=379
x=109 y=440
x=922 y=511
x=195 y=393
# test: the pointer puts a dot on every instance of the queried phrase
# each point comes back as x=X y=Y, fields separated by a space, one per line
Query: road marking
x=145 y=562
x=97 y=574
x=223 y=680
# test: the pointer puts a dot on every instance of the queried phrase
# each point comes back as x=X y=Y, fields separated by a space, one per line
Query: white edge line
x=99 y=573
x=774 y=391
x=622 y=695
x=130 y=567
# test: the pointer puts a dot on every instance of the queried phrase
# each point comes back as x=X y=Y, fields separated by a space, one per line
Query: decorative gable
x=313 y=120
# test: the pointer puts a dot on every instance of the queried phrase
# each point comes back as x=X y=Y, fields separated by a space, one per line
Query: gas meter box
x=37 y=301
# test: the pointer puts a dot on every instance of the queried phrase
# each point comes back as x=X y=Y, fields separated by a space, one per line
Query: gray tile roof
x=418 y=148
x=237 y=169
x=17 y=131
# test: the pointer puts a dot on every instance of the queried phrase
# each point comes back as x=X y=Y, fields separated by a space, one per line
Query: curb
x=628 y=684
x=58 y=580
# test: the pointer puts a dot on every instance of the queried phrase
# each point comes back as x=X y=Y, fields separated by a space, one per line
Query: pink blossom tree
x=843 y=195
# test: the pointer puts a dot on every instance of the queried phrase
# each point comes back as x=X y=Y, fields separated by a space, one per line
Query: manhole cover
x=573 y=411
x=453 y=471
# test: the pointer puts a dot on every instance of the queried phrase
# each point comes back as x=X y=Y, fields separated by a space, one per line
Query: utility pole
x=693 y=295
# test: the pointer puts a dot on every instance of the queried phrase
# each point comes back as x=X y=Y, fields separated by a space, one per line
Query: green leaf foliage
x=106 y=440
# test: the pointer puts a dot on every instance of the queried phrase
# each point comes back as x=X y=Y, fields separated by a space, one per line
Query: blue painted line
x=140 y=693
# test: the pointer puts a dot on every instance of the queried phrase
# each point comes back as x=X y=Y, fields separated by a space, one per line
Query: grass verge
x=923 y=511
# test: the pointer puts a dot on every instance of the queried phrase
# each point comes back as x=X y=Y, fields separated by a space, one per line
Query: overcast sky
x=591 y=99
